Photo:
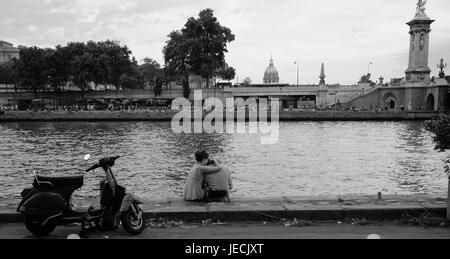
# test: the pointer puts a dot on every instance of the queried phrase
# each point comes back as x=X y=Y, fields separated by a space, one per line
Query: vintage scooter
x=48 y=204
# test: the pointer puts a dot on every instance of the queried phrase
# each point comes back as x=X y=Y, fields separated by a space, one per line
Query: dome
x=271 y=75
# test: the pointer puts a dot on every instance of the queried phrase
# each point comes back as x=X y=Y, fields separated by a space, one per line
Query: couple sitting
x=208 y=181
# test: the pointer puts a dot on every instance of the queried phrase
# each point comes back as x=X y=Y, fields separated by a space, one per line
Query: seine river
x=311 y=158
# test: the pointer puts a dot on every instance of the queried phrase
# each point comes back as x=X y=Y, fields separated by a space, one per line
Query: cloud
x=343 y=34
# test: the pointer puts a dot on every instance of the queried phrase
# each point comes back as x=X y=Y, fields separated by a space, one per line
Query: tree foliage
x=226 y=74
x=7 y=75
x=33 y=69
x=440 y=127
x=98 y=63
x=150 y=71
x=178 y=59
x=198 y=49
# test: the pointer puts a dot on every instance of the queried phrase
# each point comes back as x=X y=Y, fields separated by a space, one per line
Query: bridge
x=291 y=96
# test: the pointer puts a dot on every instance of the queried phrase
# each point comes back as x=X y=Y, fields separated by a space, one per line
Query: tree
x=150 y=70
x=31 y=69
x=7 y=73
x=197 y=49
x=178 y=59
x=247 y=81
x=158 y=86
x=440 y=127
x=81 y=70
x=100 y=63
x=226 y=74
x=57 y=63
x=128 y=81
x=101 y=67
x=212 y=38
x=118 y=59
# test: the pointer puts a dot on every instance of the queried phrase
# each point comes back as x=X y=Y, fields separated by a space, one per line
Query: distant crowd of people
x=85 y=108
x=152 y=108
x=8 y=108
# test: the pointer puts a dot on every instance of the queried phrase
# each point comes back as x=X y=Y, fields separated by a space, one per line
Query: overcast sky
x=345 y=34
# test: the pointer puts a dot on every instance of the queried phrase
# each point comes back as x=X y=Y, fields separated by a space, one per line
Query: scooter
x=48 y=204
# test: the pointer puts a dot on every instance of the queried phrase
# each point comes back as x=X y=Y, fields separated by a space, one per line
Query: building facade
x=7 y=52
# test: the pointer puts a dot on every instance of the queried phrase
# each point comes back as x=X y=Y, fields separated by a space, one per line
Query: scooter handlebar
x=103 y=162
x=93 y=168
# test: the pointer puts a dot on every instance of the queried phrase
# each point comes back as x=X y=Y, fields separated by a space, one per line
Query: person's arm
x=230 y=181
x=209 y=169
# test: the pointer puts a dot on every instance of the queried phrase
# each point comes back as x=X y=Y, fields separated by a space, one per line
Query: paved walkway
x=266 y=209
x=248 y=231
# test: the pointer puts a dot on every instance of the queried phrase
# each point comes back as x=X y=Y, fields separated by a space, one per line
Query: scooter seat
x=69 y=182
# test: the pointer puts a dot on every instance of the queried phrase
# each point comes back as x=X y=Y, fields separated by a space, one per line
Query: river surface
x=311 y=158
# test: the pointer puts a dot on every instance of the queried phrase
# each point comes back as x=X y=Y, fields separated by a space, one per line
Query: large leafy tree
x=132 y=78
x=32 y=69
x=178 y=58
x=209 y=55
x=152 y=74
x=81 y=71
x=197 y=49
x=100 y=66
x=150 y=70
x=119 y=60
x=440 y=127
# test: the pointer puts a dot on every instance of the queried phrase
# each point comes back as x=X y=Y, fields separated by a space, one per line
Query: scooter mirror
x=87 y=157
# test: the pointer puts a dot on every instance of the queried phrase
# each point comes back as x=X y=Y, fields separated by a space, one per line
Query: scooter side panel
x=44 y=203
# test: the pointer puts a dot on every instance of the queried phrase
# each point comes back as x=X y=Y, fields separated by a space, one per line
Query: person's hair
x=201 y=155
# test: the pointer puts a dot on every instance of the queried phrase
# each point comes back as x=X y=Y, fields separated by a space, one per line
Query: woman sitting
x=194 y=190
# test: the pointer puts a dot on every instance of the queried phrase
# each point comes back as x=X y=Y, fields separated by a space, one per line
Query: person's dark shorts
x=216 y=196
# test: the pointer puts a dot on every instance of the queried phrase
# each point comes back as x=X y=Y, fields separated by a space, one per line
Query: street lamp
x=296 y=62
x=368 y=67
x=442 y=66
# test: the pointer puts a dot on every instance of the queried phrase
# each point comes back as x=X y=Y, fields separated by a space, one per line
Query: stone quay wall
x=167 y=116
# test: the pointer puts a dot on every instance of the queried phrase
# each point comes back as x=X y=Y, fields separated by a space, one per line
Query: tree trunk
x=186 y=87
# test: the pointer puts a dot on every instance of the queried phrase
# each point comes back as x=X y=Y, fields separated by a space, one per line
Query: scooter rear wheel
x=34 y=225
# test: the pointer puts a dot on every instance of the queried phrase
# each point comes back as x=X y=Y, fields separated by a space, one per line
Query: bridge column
x=418 y=69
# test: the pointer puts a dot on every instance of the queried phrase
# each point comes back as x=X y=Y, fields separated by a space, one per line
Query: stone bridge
x=322 y=96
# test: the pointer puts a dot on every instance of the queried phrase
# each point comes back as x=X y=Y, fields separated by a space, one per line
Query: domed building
x=271 y=75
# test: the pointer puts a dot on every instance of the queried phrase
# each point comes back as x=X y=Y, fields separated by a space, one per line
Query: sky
x=346 y=35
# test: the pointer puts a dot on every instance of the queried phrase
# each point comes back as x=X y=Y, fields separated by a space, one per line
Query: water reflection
x=414 y=168
x=311 y=158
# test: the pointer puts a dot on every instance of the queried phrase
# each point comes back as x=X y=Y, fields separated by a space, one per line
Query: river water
x=311 y=158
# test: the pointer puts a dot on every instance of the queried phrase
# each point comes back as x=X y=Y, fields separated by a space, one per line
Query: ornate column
x=420 y=28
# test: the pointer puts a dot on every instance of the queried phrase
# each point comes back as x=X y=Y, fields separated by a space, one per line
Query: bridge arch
x=390 y=101
x=430 y=102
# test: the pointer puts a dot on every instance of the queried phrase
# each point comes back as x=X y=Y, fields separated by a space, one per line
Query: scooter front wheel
x=134 y=225
x=34 y=225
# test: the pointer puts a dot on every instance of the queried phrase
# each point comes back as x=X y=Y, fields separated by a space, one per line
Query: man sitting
x=218 y=186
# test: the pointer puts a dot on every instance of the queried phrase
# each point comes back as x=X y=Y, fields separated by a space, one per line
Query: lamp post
x=298 y=70
x=368 y=67
x=442 y=66
x=335 y=101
